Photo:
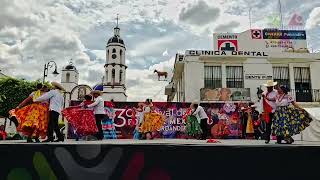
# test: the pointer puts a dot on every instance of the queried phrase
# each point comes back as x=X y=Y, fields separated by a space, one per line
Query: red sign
x=256 y=33
x=227 y=45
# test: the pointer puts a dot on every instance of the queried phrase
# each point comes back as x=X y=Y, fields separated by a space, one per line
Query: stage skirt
x=82 y=120
x=32 y=119
x=109 y=131
x=289 y=121
x=193 y=127
x=152 y=122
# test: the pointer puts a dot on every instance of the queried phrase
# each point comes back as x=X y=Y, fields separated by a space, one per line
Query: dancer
x=258 y=131
x=269 y=106
x=98 y=110
x=202 y=117
x=33 y=118
x=81 y=119
x=56 y=100
x=193 y=127
x=109 y=129
x=137 y=114
x=152 y=122
x=288 y=121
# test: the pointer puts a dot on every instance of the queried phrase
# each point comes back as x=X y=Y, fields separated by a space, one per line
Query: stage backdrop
x=224 y=119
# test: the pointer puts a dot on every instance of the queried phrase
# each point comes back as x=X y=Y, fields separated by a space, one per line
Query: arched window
x=121 y=56
x=68 y=77
x=114 y=50
x=113 y=75
x=120 y=78
x=108 y=54
x=106 y=76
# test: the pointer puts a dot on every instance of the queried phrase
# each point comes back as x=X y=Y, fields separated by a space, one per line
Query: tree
x=12 y=92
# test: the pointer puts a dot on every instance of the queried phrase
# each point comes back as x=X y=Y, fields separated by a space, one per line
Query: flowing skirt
x=82 y=120
x=152 y=122
x=289 y=121
x=32 y=119
x=193 y=127
x=109 y=131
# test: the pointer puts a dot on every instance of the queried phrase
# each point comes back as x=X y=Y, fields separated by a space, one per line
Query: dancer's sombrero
x=270 y=83
x=57 y=85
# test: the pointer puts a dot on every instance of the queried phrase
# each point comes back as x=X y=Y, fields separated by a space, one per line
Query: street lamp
x=50 y=64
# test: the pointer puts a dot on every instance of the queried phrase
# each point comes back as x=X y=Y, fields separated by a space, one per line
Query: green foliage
x=12 y=92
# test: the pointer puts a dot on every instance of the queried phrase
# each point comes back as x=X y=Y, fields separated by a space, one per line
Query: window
x=212 y=77
x=113 y=75
x=120 y=78
x=302 y=84
x=68 y=77
x=234 y=77
x=121 y=56
x=281 y=75
x=114 y=50
x=106 y=76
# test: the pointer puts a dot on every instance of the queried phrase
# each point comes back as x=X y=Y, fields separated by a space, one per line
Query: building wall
x=193 y=77
x=315 y=75
x=256 y=66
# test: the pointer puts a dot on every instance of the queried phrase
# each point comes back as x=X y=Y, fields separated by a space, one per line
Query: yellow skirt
x=152 y=122
x=33 y=119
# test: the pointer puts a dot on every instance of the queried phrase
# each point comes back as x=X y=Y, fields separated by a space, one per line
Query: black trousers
x=268 y=126
x=204 y=128
x=99 y=118
x=53 y=125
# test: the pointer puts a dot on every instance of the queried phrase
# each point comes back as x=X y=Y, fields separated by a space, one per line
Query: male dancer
x=269 y=106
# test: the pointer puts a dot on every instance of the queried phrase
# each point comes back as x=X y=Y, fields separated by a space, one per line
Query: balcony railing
x=306 y=95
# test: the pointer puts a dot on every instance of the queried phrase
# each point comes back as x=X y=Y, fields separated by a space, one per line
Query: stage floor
x=172 y=142
x=159 y=159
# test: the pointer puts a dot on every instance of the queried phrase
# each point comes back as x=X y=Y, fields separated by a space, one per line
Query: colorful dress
x=82 y=120
x=109 y=130
x=33 y=118
x=151 y=121
x=289 y=121
x=193 y=127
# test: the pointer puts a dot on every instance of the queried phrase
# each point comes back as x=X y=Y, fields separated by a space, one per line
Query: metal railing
x=305 y=95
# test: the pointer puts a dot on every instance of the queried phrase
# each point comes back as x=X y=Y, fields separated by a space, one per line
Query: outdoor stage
x=159 y=159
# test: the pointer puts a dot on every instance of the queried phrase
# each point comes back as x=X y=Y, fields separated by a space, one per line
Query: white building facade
x=241 y=63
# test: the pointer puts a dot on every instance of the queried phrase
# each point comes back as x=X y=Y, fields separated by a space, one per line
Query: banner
x=222 y=116
x=284 y=34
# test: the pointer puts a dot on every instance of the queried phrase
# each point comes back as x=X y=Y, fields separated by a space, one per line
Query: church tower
x=69 y=77
x=115 y=68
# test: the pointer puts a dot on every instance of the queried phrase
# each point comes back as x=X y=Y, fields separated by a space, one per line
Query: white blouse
x=284 y=100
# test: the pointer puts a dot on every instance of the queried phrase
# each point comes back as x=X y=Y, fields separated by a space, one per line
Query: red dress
x=81 y=119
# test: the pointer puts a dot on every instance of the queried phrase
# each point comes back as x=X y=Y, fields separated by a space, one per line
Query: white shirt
x=285 y=100
x=271 y=95
x=200 y=113
x=98 y=106
x=55 y=98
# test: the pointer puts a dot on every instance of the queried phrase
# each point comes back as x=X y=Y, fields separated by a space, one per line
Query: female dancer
x=33 y=118
x=81 y=119
x=152 y=122
x=287 y=120
x=193 y=127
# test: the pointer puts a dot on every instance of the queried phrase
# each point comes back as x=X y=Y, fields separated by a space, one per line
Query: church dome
x=70 y=67
x=116 y=39
x=98 y=87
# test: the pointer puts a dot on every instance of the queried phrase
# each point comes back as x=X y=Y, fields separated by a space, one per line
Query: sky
x=33 y=32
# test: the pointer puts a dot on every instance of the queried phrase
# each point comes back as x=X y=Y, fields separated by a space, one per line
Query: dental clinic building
x=240 y=63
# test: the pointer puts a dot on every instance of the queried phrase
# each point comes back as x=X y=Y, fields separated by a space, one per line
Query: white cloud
x=314 y=19
x=199 y=14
